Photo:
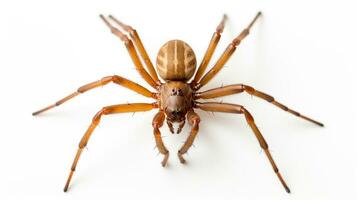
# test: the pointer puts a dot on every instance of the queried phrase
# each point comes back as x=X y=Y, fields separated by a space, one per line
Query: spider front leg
x=157 y=123
x=238 y=109
x=123 y=108
x=135 y=37
x=115 y=79
x=238 y=88
x=194 y=121
x=226 y=55
x=209 y=52
x=133 y=54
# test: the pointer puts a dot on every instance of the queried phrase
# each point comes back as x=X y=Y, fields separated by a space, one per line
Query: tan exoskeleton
x=176 y=98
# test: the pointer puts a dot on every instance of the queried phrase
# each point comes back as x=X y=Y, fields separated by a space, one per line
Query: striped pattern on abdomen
x=176 y=61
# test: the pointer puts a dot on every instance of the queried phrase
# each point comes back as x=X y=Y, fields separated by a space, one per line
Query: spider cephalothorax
x=176 y=99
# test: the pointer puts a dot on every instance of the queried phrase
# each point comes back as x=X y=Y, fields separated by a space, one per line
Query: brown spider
x=176 y=98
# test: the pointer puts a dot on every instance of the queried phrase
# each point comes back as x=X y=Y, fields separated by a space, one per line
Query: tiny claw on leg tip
x=164 y=161
x=287 y=190
x=182 y=160
x=65 y=188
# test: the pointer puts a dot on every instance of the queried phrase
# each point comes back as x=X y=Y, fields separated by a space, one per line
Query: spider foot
x=166 y=158
x=180 y=156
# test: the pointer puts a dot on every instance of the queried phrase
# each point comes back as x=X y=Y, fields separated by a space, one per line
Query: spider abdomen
x=176 y=61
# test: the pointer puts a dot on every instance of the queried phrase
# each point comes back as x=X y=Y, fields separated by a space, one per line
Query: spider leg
x=115 y=79
x=238 y=109
x=226 y=55
x=122 y=108
x=157 y=123
x=238 y=88
x=210 y=50
x=133 y=54
x=139 y=45
x=194 y=121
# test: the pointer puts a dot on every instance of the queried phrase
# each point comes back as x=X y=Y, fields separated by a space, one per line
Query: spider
x=176 y=98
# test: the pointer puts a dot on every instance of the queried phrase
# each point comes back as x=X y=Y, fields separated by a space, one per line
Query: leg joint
x=247 y=115
x=82 y=144
x=293 y=112
x=156 y=125
x=81 y=89
x=117 y=79
x=264 y=145
x=99 y=114
x=257 y=93
x=101 y=82
x=107 y=79
x=240 y=37
x=194 y=120
x=276 y=170
x=248 y=89
x=164 y=151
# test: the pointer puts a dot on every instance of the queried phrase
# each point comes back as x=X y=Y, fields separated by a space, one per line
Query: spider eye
x=175 y=92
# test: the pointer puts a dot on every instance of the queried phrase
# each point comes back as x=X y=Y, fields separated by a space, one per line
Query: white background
x=301 y=52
